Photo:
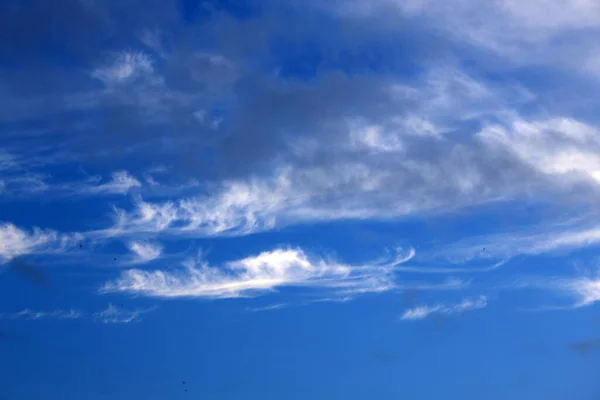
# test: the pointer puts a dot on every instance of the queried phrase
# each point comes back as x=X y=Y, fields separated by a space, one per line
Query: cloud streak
x=34 y=315
x=116 y=315
x=110 y=315
x=421 y=312
x=545 y=240
x=255 y=275
x=33 y=184
x=15 y=241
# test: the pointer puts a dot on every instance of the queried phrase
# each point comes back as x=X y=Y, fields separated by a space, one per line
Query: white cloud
x=151 y=181
x=126 y=67
x=116 y=315
x=549 y=239
x=255 y=275
x=449 y=284
x=270 y=307
x=15 y=241
x=29 y=184
x=404 y=164
x=111 y=315
x=554 y=147
x=350 y=191
x=34 y=315
x=144 y=251
x=584 y=289
x=121 y=183
x=465 y=305
x=373 y=137
x=587 y=289
x=484 y=23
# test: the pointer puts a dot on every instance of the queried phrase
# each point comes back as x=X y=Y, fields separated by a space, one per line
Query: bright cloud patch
x=144 y=252
x=15 y=241
x=254 y=275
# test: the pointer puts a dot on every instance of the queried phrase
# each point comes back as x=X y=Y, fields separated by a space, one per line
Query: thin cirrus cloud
x=533 y=38
x=127 y=66
x=34 y=315
x=144 y=252
x=32 y=184
x=15 y=241
x=585 y=290
x=553 y=239
x=422 y=312
x=110 y=315
x=117 y=315
x=121 y=183
x=255 y=275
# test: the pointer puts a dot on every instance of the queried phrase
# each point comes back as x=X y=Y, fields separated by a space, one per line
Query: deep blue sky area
x=299 y=200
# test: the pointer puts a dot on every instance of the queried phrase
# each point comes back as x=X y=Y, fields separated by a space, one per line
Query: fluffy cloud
x=465 y=305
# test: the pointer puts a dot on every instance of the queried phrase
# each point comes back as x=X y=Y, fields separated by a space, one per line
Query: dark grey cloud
x=215 y=98
x=52 y=89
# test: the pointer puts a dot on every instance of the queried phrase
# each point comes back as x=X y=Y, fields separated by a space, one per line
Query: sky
x=299 y=199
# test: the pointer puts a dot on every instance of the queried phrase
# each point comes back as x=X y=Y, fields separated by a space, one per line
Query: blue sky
x=299 y=199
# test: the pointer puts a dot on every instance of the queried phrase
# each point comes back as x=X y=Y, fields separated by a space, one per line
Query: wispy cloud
x=586 y=290
x=121 y=183
x=255 y=275
x=126 y=67
x=545 y=239
x=465 y=305
x=531 y=39
x=530 y=155
x=15 y=241
x=144 y=251
x=55 y=314
x=111 y=315
x=32 y=184
x=116 y=315
x=270 y=307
